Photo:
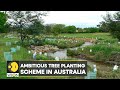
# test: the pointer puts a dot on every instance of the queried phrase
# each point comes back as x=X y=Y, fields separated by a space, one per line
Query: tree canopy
x=70 y=29
x=22 y=20
x=112 y=24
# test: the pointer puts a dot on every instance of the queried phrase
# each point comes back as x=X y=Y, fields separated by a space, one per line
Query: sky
x=79 y=19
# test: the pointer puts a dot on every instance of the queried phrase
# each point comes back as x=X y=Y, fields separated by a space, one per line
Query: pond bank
x=62 y=53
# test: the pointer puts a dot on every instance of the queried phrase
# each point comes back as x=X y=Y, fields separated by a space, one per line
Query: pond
x=62 y=54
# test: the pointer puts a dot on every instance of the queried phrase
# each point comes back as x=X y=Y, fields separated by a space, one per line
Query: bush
x=63 y=43
x=35 y=41
x=99 y=38
x=51 y=42
x=25 y=44
x=70 y=29
x=91 y=30
x=72 y=52
x=43 y=57
x=38 y=42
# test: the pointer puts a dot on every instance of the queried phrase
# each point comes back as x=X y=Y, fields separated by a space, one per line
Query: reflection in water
x=62 y=54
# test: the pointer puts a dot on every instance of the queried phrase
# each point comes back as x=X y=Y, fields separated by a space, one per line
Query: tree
x=70 y=29
x=36 y=28
x=3 y=20
x=113 y=24
x=103 y=27
x=57 y=29
x=23 y=19
x=48 y=29
x=91 y=30
x=7 y=28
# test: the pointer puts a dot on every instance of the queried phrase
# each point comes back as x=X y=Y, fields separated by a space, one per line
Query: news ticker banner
x=46 y=68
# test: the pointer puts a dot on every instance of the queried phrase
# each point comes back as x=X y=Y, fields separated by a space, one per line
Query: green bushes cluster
x=43 y=57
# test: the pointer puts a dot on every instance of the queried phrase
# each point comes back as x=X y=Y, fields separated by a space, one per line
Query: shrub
x=72 y=52
x=62 y=45
x=43 y=57
x=38 y=42
x=25 y=44
x=91 y=30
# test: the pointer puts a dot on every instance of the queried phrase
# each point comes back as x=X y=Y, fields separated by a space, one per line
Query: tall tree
x=113 y=24
x=23 y=19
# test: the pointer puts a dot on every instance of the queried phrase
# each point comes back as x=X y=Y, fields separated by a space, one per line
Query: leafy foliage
x=22 y=20
x=3 y=20
x=113 y=24
x=70 y=29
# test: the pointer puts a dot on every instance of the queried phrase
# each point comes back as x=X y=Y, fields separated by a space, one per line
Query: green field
x=105 y=71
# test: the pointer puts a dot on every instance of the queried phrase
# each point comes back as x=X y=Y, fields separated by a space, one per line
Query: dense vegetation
x=27 y=30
